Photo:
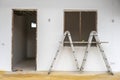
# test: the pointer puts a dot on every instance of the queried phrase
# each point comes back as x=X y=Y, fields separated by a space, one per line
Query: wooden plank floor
x=57 y=76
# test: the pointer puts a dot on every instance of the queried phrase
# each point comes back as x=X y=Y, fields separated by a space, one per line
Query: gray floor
x=26 y=65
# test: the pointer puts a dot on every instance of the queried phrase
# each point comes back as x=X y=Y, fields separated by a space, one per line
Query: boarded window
x=80 y=24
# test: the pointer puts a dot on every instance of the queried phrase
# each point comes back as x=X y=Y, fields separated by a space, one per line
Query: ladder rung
x=75 y=59
x=73 y=51
x=84 y=59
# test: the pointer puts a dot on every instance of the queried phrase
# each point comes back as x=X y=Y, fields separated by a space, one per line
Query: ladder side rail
x=58 y=50
x=103 y=55
x=86 y=51
x=73 y=50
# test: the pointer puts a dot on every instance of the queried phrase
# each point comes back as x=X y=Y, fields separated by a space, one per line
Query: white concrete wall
x=49 y=33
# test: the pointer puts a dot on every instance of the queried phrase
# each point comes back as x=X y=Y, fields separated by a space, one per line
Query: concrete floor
x=25 y=65
x=57 y=76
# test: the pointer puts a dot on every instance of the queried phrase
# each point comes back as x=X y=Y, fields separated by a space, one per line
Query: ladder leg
x=61 y=44
x=104 y=56
x=53 y=62
x=84 y=60
x=86 y=52
x=73 y=50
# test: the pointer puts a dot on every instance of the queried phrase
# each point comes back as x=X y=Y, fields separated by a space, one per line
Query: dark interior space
x=24 y=40
x=80 y=24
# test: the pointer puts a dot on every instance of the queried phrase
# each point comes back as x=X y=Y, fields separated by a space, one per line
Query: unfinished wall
x=19 y=39
x=50 y=32
x=31 y=37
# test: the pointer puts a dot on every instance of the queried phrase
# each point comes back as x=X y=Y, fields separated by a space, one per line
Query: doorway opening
x=24 y=40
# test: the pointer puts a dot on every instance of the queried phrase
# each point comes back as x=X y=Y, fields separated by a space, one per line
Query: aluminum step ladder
x=67 y=33
x=98 y=43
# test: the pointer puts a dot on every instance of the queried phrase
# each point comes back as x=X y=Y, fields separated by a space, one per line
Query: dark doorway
x=80 y=24
x=24 y=40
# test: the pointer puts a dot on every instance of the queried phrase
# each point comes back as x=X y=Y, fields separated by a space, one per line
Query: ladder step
x=86 y=51
x=105 y=58
x=84 y=59
x=75 y=59
x=73 y=51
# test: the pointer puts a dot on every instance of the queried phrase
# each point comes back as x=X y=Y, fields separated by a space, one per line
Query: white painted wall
x=49 y=33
